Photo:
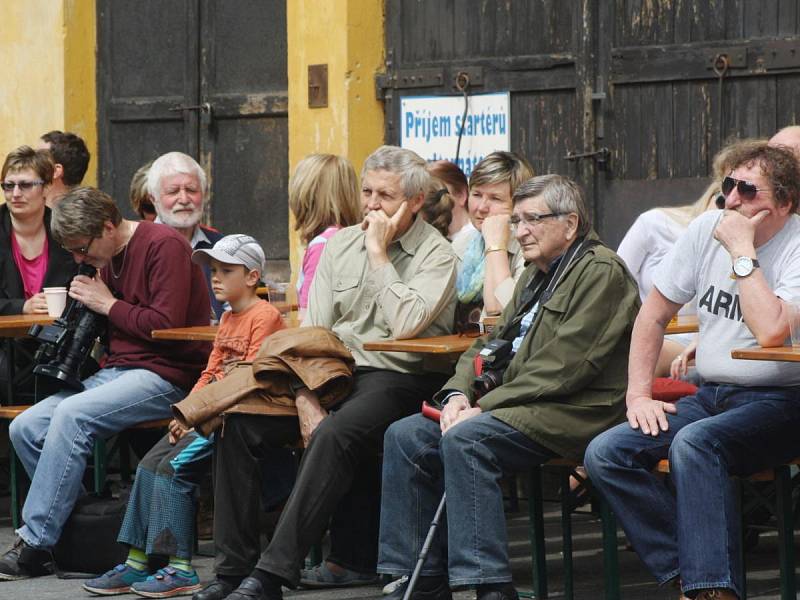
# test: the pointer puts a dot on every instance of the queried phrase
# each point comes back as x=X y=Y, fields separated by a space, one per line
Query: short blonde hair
x=501 y=167
x=322 y=192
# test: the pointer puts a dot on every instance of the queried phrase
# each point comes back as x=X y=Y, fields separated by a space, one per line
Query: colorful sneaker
x=116 y=581
x=168 y=582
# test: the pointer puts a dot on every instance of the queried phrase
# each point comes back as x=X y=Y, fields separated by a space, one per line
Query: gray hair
x=173 y=163
x=560 y=194
x=412 y=169
x=83 y=212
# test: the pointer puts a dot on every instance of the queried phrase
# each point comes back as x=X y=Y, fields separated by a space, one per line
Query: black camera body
x=493 y=360
x=66 y=344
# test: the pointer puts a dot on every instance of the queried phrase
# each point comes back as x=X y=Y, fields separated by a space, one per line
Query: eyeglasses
x=746 y=189
x=82 y=251
x=530 y=219
x=24 y=186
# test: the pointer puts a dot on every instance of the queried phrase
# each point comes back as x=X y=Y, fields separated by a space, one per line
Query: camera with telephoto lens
x=491 y=363
x=67 y=343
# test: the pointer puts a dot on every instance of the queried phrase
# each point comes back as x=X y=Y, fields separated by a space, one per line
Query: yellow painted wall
x=347 y=35
x=48 y=66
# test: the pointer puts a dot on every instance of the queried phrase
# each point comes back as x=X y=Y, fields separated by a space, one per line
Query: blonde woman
x=141 y=200
x=323 y=197
x=492 y=260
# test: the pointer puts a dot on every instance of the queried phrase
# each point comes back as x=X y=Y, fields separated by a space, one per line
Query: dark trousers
x=338 y=482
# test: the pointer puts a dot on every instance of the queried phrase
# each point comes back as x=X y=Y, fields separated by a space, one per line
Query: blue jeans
x=54 y=438
x=721 y=431
x=419 y=464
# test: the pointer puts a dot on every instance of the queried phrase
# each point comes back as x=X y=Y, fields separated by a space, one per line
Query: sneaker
x=22 y=561
x=116 y=581
x=168 y=582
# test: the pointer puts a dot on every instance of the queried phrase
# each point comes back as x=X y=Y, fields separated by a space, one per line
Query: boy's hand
x=176 y=432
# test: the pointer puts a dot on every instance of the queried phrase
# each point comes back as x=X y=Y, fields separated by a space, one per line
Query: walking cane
x=412 y=582
x=433 y=414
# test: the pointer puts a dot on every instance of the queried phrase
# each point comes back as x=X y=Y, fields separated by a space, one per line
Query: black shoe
x=252 y=589
x=427 y=588
x=497 y=591
x=216 y=590
x=22 y=561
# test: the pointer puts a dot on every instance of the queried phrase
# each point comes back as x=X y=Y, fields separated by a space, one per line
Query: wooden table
x=445 y=344
x=683 y=324
x=18 y=325
x=782 y=353
x=206 y=333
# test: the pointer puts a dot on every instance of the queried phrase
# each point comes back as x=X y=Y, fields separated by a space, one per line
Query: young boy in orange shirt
x=160 y=515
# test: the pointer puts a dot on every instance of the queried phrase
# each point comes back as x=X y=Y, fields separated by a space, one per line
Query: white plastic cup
x=56 y=300
x=794 y=322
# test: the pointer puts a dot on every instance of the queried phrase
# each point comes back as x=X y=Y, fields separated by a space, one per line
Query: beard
x=181 y=219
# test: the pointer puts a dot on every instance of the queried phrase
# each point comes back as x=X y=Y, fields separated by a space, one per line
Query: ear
x=415 y=203
x=572 y=226
x=58 y=171
x=252 y=278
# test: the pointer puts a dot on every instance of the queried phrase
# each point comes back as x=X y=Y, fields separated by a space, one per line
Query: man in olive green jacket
x=568 y=332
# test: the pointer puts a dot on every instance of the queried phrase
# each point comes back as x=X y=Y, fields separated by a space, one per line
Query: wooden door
x=629 y=85
x=205 y=77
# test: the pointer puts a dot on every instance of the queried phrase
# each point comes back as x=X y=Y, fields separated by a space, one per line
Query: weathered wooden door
x=206 y=77
x=621 y=95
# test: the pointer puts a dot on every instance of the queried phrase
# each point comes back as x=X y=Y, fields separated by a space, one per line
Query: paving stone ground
x=588 y=566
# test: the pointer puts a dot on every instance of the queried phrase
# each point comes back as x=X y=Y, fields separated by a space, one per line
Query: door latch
x=600 y=156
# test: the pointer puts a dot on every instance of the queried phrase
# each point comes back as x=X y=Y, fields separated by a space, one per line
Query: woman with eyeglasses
x=31 y=259
x=492 y=260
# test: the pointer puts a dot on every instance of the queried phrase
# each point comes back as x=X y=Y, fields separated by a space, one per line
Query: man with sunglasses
x=743 y=266
x=145 y=280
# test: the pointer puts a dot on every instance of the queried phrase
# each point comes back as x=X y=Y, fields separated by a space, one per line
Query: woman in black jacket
x=29 y=257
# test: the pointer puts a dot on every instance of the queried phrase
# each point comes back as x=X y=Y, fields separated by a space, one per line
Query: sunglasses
x=24 y=186
x=746 y=189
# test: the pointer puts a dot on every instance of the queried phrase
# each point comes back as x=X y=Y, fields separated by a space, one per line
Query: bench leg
x=783 y=505
x=610 y=558
x=99 y=465
x=566 y=532
x=538 y=553
x=15 y=470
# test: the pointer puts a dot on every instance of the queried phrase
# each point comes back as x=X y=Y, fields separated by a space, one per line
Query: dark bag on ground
x=88 y=544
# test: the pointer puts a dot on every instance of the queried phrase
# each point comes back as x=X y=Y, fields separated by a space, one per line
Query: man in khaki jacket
x=392 y=276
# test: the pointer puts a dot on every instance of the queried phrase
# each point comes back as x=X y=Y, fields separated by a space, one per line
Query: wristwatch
x=744 y=265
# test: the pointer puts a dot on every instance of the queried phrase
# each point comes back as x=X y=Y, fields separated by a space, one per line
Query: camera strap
x=542 y=285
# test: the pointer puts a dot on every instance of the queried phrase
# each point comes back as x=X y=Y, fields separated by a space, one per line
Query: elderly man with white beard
x=178 y=186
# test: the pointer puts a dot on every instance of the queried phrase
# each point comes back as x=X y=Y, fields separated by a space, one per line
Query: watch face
x=743 y=266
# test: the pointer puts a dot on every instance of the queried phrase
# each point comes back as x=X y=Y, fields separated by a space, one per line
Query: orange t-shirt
x=239 y=338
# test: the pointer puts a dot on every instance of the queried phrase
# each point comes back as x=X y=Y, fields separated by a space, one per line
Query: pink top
x=31 y=271
x=310 y=262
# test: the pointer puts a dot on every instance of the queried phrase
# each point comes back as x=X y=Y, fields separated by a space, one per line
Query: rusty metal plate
x=317 y=86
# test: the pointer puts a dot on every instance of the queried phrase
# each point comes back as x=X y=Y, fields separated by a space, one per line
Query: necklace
x=122 y=266
x=124 y=256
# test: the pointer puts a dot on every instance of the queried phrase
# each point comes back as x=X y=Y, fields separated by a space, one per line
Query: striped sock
x=181 y=564
x=137 y=559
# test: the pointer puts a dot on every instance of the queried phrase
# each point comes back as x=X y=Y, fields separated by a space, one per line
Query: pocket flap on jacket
x=558 y=303
x=344 y=282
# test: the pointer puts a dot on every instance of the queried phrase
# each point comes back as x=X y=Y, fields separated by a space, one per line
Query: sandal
x=322 y=577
